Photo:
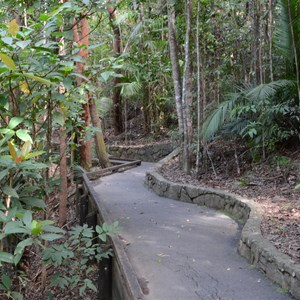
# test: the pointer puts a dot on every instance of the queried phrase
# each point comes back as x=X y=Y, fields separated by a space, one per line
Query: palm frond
x=217 y=119
x=130 y=89
x=290 y=20
x=136 y=31
x=267 y=90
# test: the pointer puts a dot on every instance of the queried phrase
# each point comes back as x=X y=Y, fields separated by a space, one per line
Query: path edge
x=258 y=251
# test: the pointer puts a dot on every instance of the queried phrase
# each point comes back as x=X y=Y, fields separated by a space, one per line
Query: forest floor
x=270 y=183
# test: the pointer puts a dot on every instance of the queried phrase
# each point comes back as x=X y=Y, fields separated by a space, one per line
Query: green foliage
x=77 y=255
x=289 y=20
x=75 y=258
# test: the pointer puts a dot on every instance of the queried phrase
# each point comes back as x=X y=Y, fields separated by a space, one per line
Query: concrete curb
x=148 y=153
x=257 y=250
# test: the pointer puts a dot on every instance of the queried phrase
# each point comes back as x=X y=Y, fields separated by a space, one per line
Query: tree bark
x=270 y=39
x=99 y=138
x=82 y=39
x=63 y=198
x=187 y=95
x=182 y=90
x=199 y=108
x=116 y=92
x=175 y=66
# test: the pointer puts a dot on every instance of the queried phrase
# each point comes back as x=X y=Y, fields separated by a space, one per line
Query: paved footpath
x=181 y=251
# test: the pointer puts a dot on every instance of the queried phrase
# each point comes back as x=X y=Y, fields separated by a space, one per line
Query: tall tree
x=183 y=94
x=116 y=92
x=81 y=37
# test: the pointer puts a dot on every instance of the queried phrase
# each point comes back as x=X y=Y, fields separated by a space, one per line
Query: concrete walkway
x=180 y=251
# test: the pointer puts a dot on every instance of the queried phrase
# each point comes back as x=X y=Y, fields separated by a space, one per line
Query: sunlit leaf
x=26 y=148
x=13 y=27
x=23 y=44
x=23 y=135
x=7 y=61
x=24 y=87
x=36 y=78
x=34 y=154
x=7 y=40
x=12 y=150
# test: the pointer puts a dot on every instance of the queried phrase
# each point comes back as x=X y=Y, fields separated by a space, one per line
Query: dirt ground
x=270 y=183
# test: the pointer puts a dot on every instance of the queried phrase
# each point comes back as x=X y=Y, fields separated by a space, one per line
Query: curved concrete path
x=180 y=251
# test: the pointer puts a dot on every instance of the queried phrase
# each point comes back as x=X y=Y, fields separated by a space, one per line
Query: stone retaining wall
x=148 y=153
x=258 y=251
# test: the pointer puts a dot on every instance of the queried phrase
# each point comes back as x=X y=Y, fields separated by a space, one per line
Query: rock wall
x=258 y=251
x=148 y=153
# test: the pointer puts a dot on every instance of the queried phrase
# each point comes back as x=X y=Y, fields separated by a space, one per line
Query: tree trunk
x=182 y=90
x=187 y=95
x=270 y=39
x=99 y=138
x=82 y=38
x=175 y=66
x=116 y=92
x=199 y=108
x=63 y=168
x=63 y=195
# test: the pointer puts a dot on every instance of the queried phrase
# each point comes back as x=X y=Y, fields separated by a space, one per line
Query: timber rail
x=116 y=278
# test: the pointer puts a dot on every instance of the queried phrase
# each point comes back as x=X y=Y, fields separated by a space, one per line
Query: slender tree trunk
x=271 y=39
x=175 y=66
x=199 y=108
x=82 y=38
x=99 y=138
x=187 y=95
x=63 y=168
x=63 y=199
x=116 y=92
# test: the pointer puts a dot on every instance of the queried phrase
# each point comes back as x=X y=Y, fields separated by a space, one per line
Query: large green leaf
x=58 y=118
x=36 y=78
x=26 y=148
x=6 y=257
x=6 y=282
x=50 y=236
x=3 y=173
x=27 y=218
x=15 y=227
x=23 y=135
x=34 y=202
x=7 y=190
x=14 y=122
x=23 y=44
x=7 y=61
